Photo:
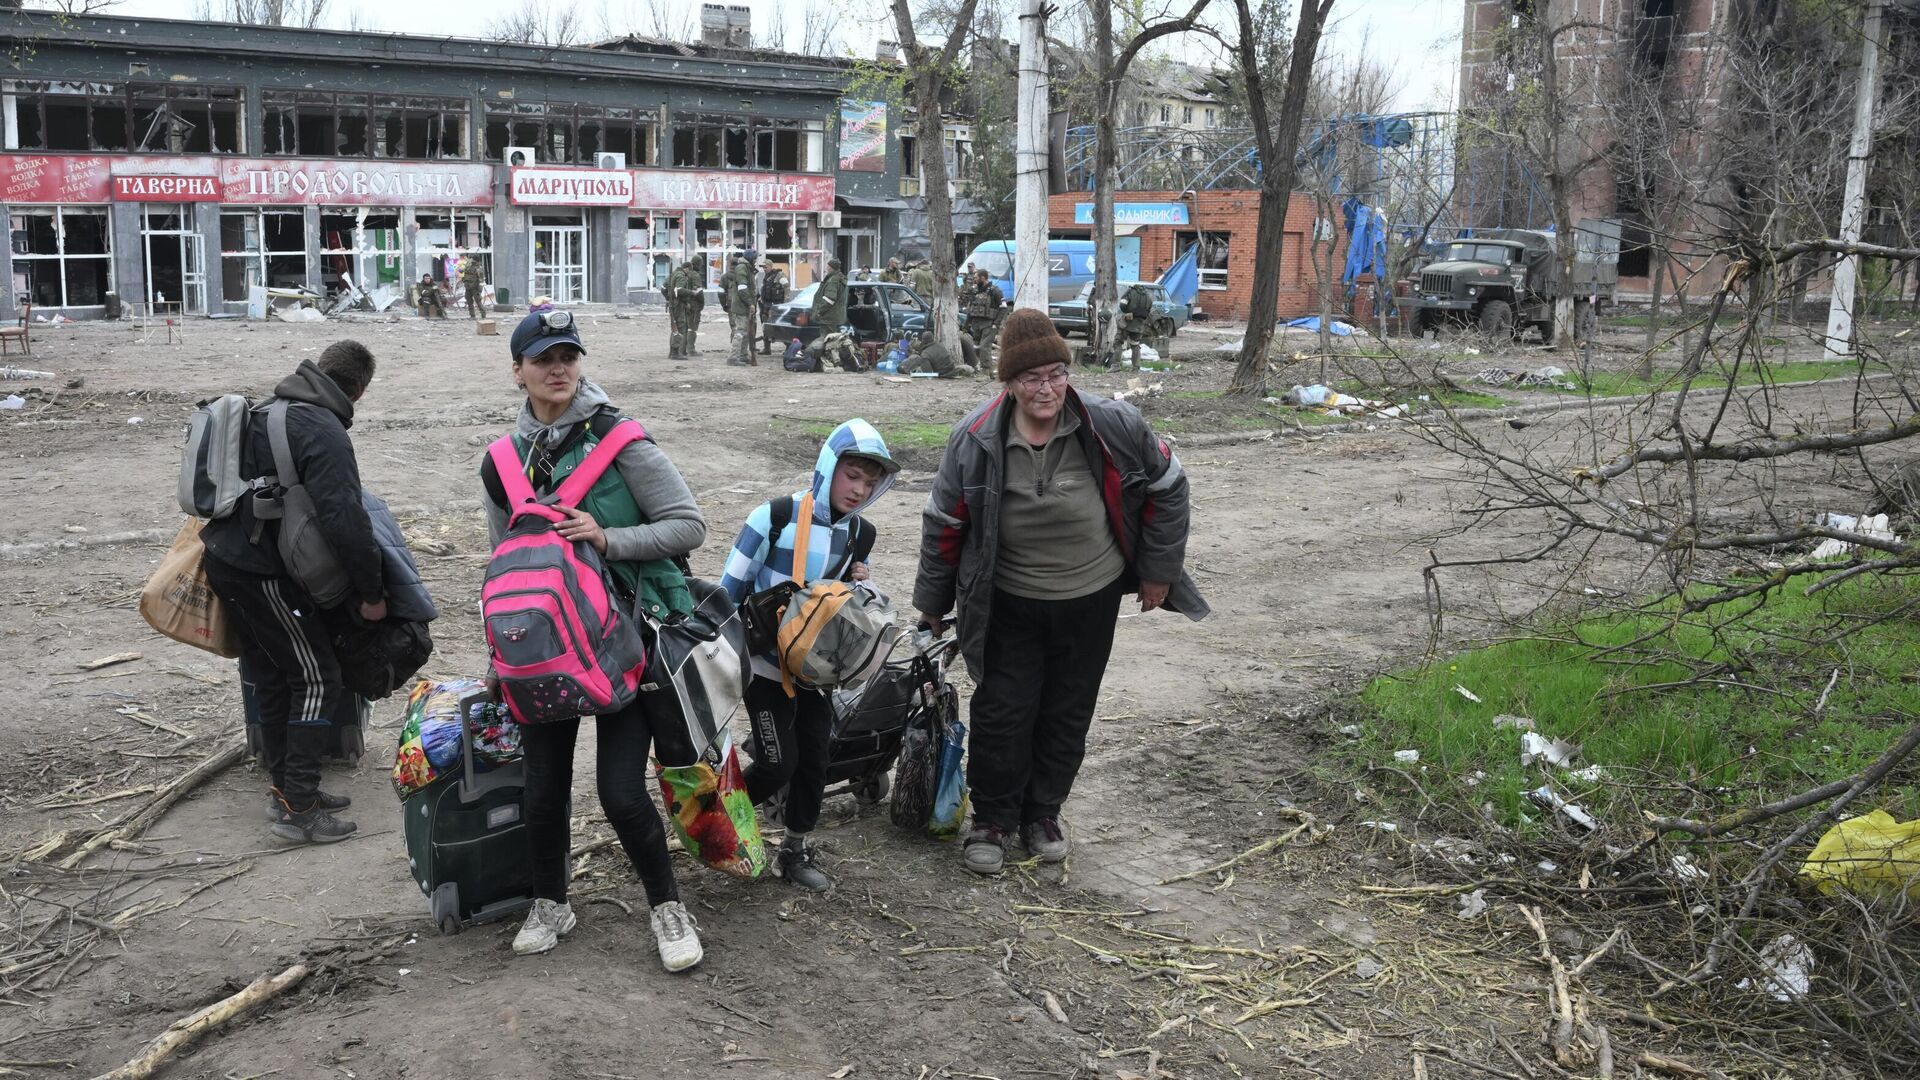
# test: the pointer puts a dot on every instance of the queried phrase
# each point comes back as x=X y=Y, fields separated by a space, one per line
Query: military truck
x=1506 y=280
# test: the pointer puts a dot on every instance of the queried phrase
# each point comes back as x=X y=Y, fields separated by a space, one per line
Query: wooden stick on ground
x=185 y=1032
x=1306 y=822
x=135 y=822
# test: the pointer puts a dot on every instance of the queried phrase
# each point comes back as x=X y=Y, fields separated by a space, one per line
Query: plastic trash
x=1309 y=395
x=887 y=367
x=1790 y=964
x=19 y=374
x=1573 y=812
x=1534 y=747
x=1517 y=723
x=1875 y=527
x=1873 y=853
x=136 y=419
x=1406 y=757
x=1466 y=693
x=13 y=401
x=1472 y=905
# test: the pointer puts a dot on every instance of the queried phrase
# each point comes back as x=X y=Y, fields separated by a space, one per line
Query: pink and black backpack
x=562 y=647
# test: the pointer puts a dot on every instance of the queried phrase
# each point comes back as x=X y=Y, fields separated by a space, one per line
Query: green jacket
x=921 y=280
x=684 y=286
x=830 y=302
x=658 y=585
x=892 y=275
x=736 y=289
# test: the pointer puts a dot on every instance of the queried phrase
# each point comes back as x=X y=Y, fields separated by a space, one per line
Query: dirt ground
x=1308 y=549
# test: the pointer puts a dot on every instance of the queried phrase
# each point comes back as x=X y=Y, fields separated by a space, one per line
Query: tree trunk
x=1644 y=366
x=1103 y=312
x=1276 y=143
x=929 y=68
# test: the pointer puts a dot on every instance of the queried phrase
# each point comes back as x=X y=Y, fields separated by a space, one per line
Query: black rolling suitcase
x=467 y=838
x=350 y=713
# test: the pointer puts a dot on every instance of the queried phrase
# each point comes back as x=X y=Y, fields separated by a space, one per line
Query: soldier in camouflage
x=740 y=295
x=470 y=283
x=982 y=308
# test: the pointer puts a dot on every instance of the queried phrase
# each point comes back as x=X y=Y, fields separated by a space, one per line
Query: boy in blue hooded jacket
x=791 y=732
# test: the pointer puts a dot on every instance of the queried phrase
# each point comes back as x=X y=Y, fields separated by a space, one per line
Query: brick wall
x=1235 y=213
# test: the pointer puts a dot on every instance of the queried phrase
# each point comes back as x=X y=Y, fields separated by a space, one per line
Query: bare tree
x=929 y=72
x=819 y=29
x=1340 y=161
x=76 y=7
x=302 y=13
x=537 y=23
x=1261 y=46
x=1110 y=72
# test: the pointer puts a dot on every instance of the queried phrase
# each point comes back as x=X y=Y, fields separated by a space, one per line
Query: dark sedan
x=1070 y=316
x=877 y=310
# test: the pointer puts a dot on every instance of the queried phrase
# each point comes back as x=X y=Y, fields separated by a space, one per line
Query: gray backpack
x=308 y=557
x=210 y=483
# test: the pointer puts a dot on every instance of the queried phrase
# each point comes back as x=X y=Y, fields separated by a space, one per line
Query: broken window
x=61 y=256
x=262 y=247
x=718 y=141
x=153 y=117
x=563 y=133
x=1212 y=257
x=448 y=239
x=360 y=245
x=322 y=123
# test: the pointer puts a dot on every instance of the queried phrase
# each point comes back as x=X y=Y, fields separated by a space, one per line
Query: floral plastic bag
x=712 y=813
x=430 y=736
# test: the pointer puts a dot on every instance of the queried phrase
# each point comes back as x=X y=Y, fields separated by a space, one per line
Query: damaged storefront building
x=184 y=165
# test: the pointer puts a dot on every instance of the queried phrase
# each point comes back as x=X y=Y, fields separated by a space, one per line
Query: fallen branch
x=1670 y=1066
x=132 y=824
x=1306 y=822
x=183 y=1033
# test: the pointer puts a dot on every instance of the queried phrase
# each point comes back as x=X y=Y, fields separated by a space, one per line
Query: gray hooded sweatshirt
x=673 y=522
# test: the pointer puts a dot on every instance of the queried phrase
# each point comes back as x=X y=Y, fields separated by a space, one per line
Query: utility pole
x=1030 y=162
x=1853 y=210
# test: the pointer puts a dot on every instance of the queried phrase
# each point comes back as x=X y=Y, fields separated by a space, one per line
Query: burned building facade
x=183 y=164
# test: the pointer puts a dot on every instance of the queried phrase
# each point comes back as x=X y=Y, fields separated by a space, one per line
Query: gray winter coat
x=407 y=596
x=1141 y=480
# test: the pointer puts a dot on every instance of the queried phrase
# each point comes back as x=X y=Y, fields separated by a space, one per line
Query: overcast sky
x=1417 y=39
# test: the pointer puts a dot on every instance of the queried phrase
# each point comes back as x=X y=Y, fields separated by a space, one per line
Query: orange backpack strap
x=802 y=532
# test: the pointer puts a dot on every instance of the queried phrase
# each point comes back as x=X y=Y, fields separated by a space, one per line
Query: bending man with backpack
x=823 y=527
x=284 y=639
x=638 y=518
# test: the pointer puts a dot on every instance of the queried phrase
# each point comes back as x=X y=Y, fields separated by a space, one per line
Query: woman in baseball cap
x=641 y=517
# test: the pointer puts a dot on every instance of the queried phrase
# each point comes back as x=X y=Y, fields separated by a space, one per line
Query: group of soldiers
x=433 y=304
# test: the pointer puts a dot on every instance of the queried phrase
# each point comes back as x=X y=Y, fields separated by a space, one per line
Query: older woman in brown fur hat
x=1049 y=507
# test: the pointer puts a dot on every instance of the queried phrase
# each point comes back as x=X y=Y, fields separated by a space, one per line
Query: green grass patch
x=1627 y=384
x=900 y=434
x=1691 y=750
x=1668 y=320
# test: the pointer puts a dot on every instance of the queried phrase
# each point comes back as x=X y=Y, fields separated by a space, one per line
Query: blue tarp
x=1366 y=243
x=1312 y=322
x=1182 y=279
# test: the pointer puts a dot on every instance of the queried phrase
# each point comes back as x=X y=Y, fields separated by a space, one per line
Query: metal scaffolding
x=1411 y=168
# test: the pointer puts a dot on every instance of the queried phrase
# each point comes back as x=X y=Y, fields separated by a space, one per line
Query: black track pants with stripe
x=286 y=647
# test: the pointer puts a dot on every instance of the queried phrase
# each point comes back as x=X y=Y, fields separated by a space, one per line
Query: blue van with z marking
x=1069 y=266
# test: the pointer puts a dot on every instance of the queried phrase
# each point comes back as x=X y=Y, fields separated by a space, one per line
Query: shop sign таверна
x=99 y=178
x=165 y=189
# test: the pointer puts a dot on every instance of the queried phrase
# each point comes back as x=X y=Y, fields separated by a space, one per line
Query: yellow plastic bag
x=1872 y=853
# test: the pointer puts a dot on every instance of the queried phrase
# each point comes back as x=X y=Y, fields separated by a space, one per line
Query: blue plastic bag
x=950 y=784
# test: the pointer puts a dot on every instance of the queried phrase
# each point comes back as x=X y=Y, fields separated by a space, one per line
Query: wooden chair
x=22 y=333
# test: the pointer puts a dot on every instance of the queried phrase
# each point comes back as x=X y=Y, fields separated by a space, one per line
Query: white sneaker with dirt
x=1046 y=839
x=676 y=932
x=545 y=924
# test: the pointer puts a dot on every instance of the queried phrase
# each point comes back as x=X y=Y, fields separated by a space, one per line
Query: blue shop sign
x=1136 y=213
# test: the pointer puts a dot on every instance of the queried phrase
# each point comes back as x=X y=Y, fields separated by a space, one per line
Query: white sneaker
x=543 y=928
x=674 y=930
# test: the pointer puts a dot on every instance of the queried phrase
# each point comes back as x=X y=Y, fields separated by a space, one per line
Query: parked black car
x=877 y=311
